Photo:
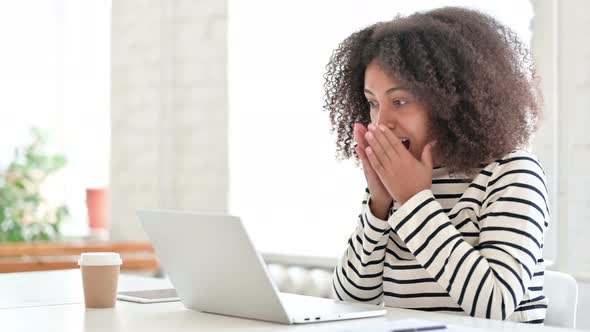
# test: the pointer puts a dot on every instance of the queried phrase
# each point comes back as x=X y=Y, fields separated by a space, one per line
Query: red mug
x=97 y=202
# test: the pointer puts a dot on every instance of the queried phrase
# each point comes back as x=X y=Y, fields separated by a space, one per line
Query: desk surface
x=53 y=301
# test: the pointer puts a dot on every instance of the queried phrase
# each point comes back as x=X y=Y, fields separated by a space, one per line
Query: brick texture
x=169 y=109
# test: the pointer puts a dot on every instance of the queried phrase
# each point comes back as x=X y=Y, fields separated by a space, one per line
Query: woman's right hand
x=380 y=198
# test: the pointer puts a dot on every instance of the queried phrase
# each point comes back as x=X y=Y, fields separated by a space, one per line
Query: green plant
x=25 y=214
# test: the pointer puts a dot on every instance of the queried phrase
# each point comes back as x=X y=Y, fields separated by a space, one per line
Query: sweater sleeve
x=358 y=276
x=489 y=279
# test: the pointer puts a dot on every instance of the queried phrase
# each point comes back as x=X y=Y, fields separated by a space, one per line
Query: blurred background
x=217 y=106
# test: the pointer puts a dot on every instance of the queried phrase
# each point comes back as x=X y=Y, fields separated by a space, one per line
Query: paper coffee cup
x=100 y=276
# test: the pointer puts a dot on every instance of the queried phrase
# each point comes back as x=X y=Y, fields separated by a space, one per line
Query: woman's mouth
x=406 y=143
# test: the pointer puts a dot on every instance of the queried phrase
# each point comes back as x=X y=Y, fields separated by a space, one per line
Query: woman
x=442 y=105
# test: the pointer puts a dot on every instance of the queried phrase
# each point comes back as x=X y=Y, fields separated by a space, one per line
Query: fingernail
x=369 y=135
x=371 y=126
x=382 y=127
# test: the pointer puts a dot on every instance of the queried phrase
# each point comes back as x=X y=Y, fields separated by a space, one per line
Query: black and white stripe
x=471 y=246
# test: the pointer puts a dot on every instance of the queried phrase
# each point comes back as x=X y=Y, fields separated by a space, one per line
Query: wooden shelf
x=43 y=256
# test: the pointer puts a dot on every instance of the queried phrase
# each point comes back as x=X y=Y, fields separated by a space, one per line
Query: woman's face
x=397 y=108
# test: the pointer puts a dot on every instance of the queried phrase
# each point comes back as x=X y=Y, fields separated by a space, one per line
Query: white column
x=546 y=143
x=562 y=51
x=169 y=109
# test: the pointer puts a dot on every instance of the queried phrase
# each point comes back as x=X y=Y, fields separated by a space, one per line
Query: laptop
x=215 y=268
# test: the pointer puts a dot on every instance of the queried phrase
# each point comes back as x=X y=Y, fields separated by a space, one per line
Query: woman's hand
x=400 y=173
x=380 y=197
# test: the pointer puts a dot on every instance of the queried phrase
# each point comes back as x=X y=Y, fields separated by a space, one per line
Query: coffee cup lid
x=100 y=259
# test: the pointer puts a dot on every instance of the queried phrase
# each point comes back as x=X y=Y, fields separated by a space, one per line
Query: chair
x=310 y=276
x=561 y=290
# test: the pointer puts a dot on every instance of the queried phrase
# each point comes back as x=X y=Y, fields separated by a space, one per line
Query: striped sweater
x=470 y=246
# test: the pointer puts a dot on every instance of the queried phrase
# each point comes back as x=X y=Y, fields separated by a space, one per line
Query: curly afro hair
x=473 y=73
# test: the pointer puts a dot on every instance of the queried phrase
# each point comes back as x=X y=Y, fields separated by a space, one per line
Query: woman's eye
x=372 y=104
x=400 y=102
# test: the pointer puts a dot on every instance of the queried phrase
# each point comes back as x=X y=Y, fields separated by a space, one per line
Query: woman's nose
x=389 y=121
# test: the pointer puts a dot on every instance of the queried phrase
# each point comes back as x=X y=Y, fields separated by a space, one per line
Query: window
x=56 y=75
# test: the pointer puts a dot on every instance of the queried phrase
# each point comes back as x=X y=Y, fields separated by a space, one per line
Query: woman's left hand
x=402 y=175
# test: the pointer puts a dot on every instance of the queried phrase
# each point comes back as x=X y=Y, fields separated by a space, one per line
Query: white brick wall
x=169 y=109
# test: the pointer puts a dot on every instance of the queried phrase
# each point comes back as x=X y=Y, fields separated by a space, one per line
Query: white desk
x=53 y=301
